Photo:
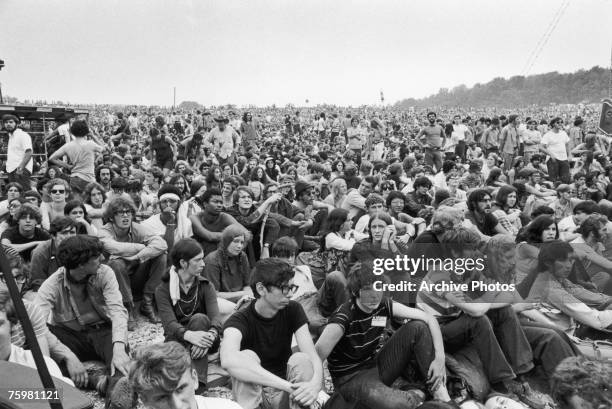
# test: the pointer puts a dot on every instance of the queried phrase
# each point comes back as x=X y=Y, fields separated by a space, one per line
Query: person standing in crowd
x=81 y=157
x=509 y=141
x=248 y=130
x=555 y=145
x=19 y=162
x=224 y=140
x=490 y=137
x=164 y=148
x=434 y=137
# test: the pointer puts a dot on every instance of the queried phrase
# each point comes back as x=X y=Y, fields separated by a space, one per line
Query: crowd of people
x=259 y=235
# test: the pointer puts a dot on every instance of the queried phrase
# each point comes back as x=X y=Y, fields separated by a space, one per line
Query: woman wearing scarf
x=187 y=306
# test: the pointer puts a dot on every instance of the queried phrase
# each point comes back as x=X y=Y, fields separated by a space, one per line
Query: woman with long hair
x=75 y=209
x=188 y=306
x=95 y=203
x=13 y=191
x=542 y=229
x=337 y=193
x=570 y=303
x=506 y=209
x=272 y=170
x=213 y=179
x=181 y=184
x=228 y=269
x=257 y=182
x=58 y=190
x=547 y=339
x=494 y=178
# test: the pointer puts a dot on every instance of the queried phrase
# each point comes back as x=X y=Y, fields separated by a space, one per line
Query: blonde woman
x=338 y=192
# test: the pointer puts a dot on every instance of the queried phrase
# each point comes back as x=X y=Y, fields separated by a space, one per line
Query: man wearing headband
x=19 y=153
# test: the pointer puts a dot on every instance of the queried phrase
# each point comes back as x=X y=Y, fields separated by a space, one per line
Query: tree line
x=578 y=87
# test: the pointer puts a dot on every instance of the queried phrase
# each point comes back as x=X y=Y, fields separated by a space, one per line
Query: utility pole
x=1 y=66
x=610 y=80
x=174 y=103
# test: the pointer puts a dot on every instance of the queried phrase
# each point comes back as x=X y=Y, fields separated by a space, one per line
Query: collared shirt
x=509 y=138
x=55 y=299
x=126 y=246
x=19 y=142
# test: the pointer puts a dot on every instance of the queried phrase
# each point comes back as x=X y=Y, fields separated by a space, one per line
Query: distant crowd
x=252 y=234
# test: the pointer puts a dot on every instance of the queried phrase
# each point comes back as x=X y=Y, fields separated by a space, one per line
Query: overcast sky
x=285 y=51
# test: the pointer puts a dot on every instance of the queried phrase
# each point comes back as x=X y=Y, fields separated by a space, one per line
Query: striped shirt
x=361 y=340
x=38 y=320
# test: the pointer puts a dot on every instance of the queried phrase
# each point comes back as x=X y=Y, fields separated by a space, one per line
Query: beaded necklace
x=195 y=304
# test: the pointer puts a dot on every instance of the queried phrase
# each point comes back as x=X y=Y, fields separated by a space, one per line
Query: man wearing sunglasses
x=256 y=347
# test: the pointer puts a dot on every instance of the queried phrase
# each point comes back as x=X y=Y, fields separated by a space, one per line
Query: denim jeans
x=558 y=169
x=550 y=345
x=410 y=346
x=498 y=338
x=135 y=278
x=251 y=396
x=198 y=322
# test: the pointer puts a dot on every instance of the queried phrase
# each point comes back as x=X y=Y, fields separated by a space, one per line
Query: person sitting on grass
x=256 y=348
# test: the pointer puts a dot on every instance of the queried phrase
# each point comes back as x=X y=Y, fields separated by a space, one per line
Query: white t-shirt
x=555 y=142
x=82 y=154
x=460 y=129
x=215 y=403
x=19 y=142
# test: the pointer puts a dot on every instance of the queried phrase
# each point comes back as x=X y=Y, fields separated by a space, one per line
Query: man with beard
x=479 y=206
x=19 y=152
x=434 y=137
x=98 y=330
x=24 y=237
x=104 y=177
x=137 y=256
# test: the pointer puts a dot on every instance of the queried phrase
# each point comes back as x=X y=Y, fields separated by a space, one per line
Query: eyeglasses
x=124 y=212
x=168 y=201
x=286 y=289
x=14 y=205
x=386 y=188
x=56 y=192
